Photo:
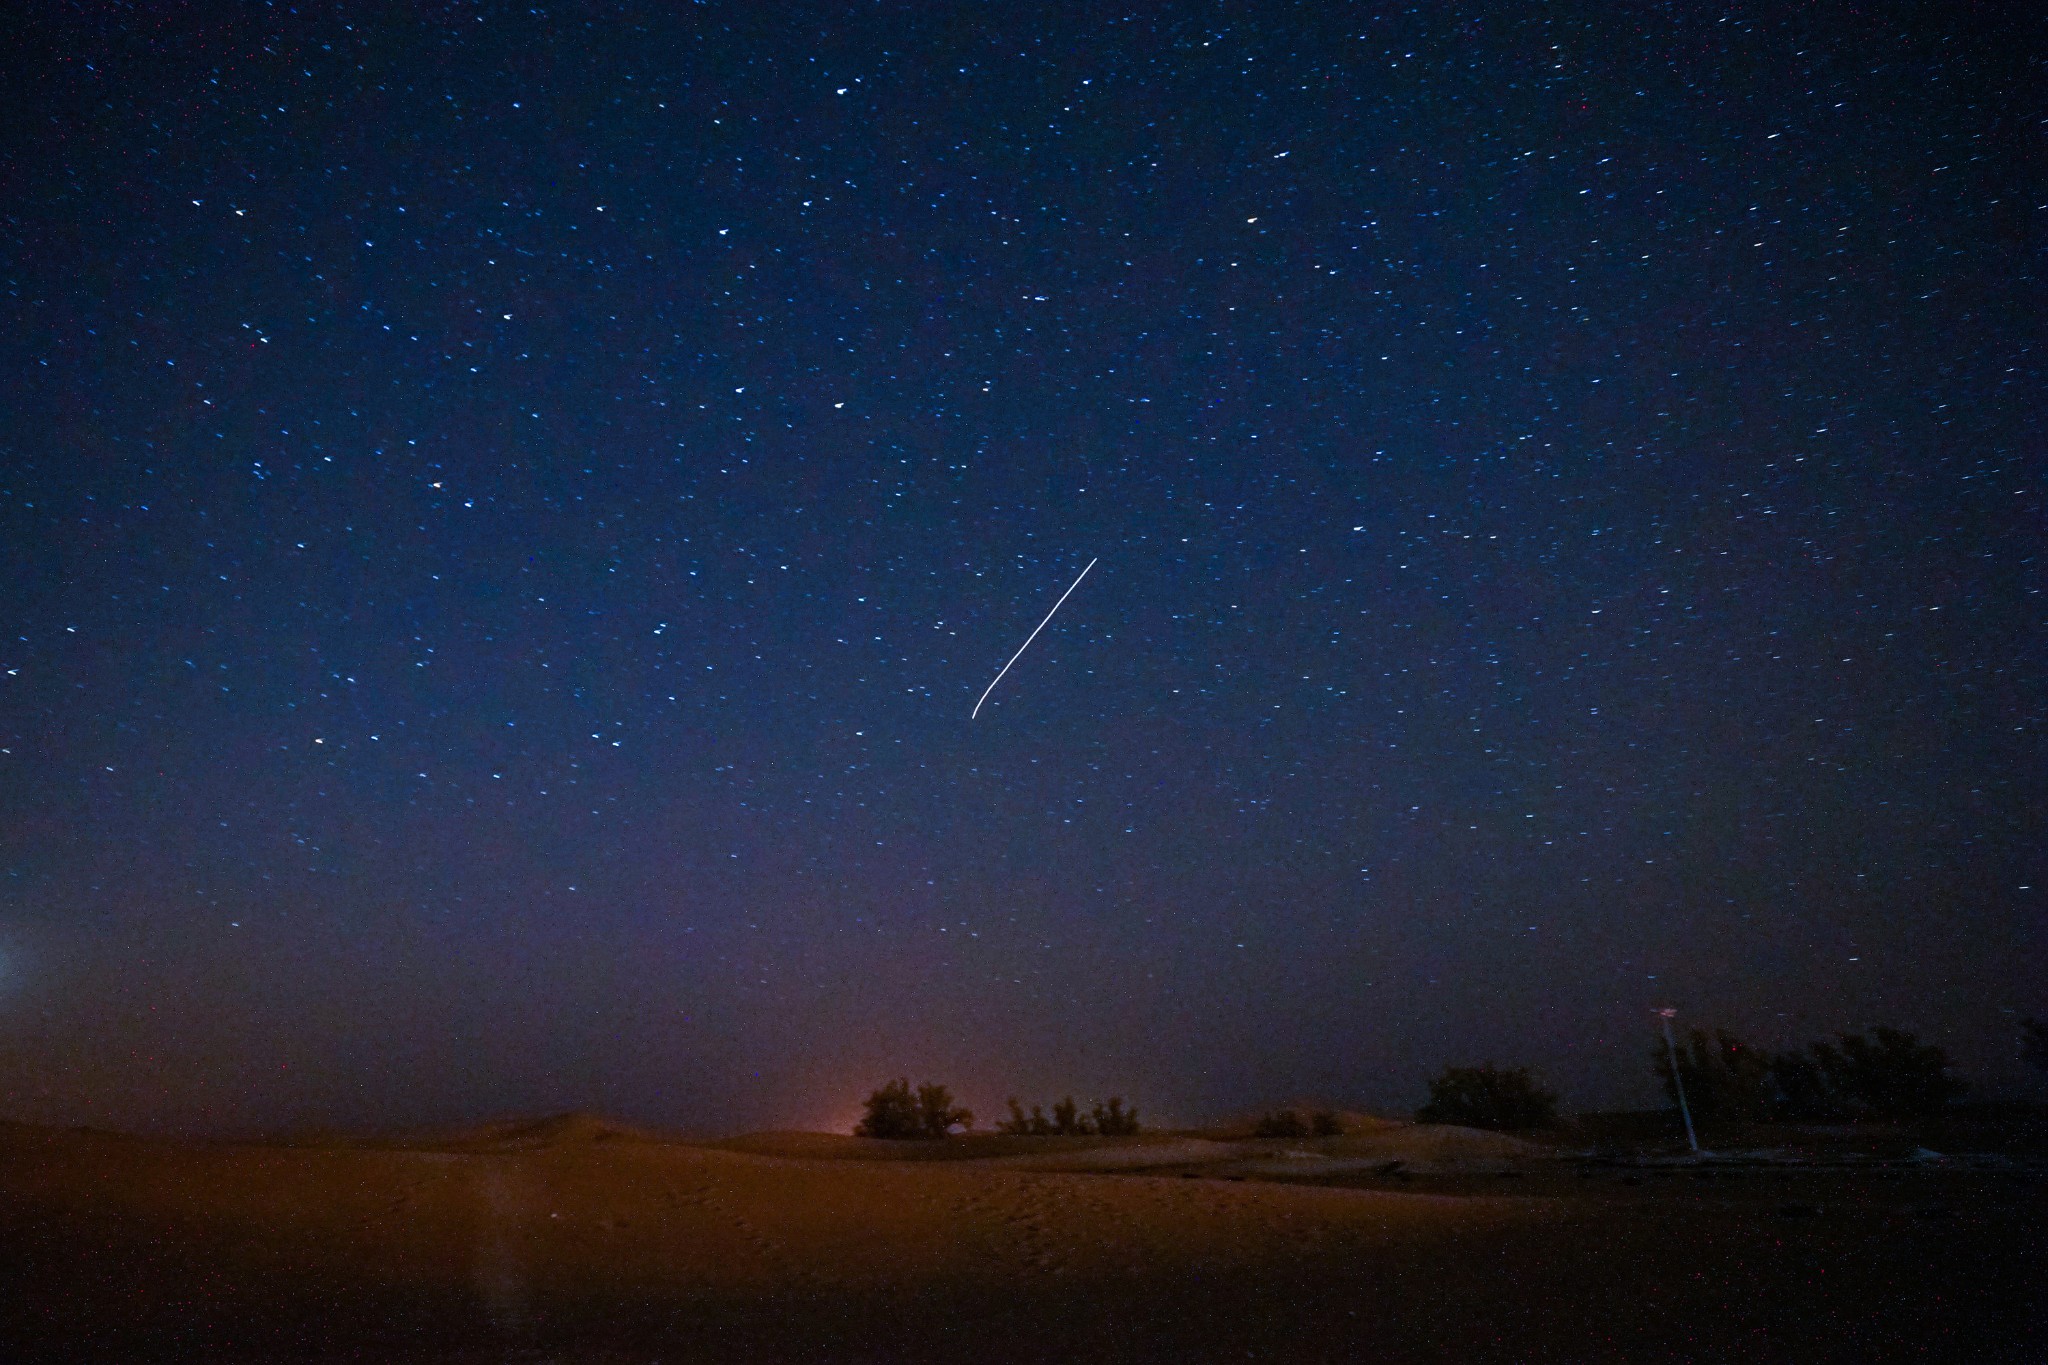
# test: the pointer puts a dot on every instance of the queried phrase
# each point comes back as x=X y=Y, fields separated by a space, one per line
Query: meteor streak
x=1029 y=638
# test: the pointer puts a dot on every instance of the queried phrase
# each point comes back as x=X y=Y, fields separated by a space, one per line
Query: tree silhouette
x=891 y=1113
x=1803 y=1093
x=1108 y=1120
x=1726 y=1080
x=895 y=1112
x=1488 y=1097
x=1281 y=1123
x=936 y=1114
x=1889 y=1074
x=1112 y=1120
x=2034 y=1043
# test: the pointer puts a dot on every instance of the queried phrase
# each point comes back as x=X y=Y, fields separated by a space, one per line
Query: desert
x=1382 y=666
x=578 y=1239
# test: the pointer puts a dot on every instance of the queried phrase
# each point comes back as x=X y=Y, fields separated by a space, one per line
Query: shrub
x=1890 y=1074
x=1113 y=1120
x=895 y=1112
x=1726 y=1080
x=1292 y=1123
x=1801 y=1091
x=1488 y=1097
x=1281 y=1123
x=1108 y=1120
x=891 y=1113
x=2034 y=1043
x=1017 y=1125
x=936 y=1113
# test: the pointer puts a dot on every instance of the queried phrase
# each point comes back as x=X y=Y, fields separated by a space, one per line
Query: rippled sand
x=579 y=1240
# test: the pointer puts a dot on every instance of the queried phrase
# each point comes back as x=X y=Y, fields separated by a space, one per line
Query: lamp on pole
x=1666 y=1015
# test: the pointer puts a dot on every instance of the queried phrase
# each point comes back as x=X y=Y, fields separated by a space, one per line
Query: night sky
x=506 y=513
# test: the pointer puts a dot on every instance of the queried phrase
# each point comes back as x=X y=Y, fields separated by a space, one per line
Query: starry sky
x=506 y=512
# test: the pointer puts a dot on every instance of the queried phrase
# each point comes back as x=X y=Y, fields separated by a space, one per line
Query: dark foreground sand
x=576 y=1241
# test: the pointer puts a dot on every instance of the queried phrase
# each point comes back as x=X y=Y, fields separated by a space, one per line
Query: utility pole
x=1678 y=1081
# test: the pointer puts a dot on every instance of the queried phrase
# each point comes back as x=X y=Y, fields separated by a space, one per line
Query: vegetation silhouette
x=2034 y=1043
x=1886 y=1074
x=1726 y=1080
x=1018 y=1125
x=1292 y=1123
x=1281 y=1123
x=895 y=1111
x=1112 y=1120
x=1801 y=1091
x=1489 y=1096
x=1109 y=1119
x=1890 y=1074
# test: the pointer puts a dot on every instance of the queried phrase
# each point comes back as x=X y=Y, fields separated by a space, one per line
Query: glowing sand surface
x=581 y=1240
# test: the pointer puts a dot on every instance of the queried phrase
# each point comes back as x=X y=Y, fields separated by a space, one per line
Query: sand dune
x=584 y=1205
x=579 y=1239
x=1120 y=1155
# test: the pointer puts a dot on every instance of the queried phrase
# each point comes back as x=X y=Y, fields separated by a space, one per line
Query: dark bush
x=1801 y=1091
x=1281 y=1123
x=1890 y=1074
x=1726 y=1080
x=1113 y=1120
x=1293 y=1123
x=895 y=1112
x=1488 y=1097
x=1106 y=1120
x=936 y=1112
x=2034 y=1043
x=891 y=1113
x=1017 y=1125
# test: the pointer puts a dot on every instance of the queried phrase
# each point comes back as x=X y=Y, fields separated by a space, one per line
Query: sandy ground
x=574 y=1240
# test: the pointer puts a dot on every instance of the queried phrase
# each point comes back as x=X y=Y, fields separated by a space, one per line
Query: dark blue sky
x=506 y=513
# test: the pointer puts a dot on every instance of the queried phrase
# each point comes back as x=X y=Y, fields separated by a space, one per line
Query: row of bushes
x=1101 y=1120
x=1884 y=1074
x=1292 y=1123
x=897 y=1111
x=1503 y=1097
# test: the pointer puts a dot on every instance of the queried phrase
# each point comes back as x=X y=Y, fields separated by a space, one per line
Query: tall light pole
x=1678 y=1081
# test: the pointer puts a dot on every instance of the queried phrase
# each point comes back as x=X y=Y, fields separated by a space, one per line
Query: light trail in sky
x=1029 y=638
